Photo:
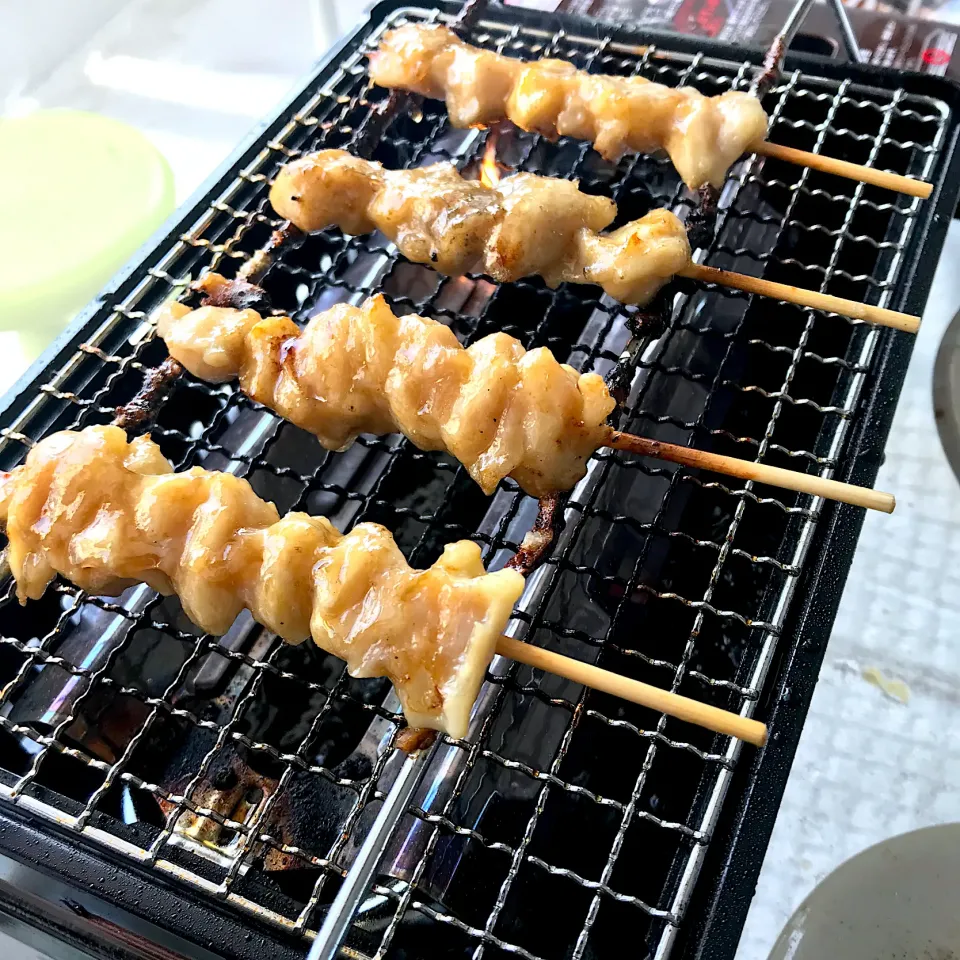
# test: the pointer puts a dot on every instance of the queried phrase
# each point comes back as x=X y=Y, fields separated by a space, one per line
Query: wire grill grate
x=250 y=770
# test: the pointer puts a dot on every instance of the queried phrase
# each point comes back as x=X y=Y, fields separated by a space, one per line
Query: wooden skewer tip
x=663 y=701
x=803 y=297
x=896 y=182
x=751 y=470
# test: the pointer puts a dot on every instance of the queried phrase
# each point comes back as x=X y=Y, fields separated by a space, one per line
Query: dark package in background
x=905 y=36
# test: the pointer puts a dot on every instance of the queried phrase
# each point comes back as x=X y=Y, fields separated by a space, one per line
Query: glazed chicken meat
x=525 y=225
x=702 y=135
x=107 y=513
x=499 y=409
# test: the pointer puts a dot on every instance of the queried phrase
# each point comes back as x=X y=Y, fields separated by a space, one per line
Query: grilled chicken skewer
x=525 y=225
x=703 y=136
x=106 y=513
x=499 y=409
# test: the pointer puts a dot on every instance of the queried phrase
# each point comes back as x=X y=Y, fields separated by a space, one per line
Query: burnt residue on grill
x=260 y=766
x=412 y=739
x=236 y=789
x=469 y=14
x=645 y=324
x=772 y=65
x=231 y=789
x=138 y=414
x=237 y=293
x=702 y=222
x=376 y=121
x=253 y=270
x=537 y=542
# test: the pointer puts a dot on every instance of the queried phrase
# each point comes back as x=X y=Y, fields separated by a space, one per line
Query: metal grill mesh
x=566 y=818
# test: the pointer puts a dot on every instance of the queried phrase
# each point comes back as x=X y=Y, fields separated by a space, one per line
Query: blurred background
x=185 y=80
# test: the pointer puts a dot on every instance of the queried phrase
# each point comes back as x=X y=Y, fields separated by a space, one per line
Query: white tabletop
x=193 y=75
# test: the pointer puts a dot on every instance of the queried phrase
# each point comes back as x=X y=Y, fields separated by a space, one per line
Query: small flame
x=489 y=168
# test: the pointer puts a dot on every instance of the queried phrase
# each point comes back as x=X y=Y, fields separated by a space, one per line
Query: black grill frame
x=715 y=915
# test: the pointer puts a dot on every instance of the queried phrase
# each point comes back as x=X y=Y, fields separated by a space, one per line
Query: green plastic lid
x=78 y=194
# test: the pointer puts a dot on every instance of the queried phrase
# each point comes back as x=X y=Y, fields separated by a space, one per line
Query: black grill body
x=219 y=788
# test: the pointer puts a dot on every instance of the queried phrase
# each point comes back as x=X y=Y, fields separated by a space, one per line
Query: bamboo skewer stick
x=749 y=470
x=672 y=704
x=843 y=168
x=803 y=297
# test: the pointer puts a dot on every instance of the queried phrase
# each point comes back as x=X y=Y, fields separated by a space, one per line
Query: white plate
x=898 y=900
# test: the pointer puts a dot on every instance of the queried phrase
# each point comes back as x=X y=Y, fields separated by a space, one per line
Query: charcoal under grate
x=248 y=772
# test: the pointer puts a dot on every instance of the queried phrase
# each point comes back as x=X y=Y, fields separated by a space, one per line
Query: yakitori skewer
x=106 y=512
x=499 y=409
x=523 y=225
x=703 y=136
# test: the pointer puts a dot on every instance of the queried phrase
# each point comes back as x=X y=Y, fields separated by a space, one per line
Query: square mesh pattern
x=249 y=770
